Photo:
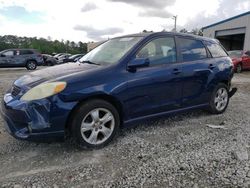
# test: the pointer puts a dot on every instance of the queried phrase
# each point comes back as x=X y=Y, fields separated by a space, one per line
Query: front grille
x=15 y=90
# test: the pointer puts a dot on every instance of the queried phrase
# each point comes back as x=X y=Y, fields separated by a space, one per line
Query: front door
x=156 y=88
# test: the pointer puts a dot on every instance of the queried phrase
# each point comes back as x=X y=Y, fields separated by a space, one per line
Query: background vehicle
x=62 y=56
x=241 y=60
x=72 y=58
x=49 y=60
x=122 y=81
x=57 y=55
x=28 y=58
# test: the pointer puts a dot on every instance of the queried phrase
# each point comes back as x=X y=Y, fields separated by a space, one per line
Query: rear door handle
x=211 y=66
x=176 y=71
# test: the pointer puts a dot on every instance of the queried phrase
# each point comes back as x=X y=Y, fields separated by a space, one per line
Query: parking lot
x=195 y=149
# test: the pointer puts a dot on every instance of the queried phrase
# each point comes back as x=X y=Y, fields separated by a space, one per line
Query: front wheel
x=94 y=124
x=219 y=99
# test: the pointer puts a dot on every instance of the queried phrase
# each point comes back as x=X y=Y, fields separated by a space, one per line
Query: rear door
x=156 y=88
x=197 y=69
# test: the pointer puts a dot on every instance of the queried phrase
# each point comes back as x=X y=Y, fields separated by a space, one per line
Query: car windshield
x=111 y=51
x=235 y=54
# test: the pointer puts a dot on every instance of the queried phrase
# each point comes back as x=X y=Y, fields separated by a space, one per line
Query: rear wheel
x=219 y=99
x=31 y=65
x=239 y=68
x=94 y=124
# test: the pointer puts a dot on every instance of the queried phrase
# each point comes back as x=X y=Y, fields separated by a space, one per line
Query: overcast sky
x=86 y=20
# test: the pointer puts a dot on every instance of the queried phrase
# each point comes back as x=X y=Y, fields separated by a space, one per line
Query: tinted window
x=216 y=50
x=25 y=52
x=159 y=51
x=8 y=53
x=192 y=50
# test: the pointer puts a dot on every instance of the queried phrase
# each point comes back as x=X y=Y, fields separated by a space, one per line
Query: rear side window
x=159 y=51
x=216 y=50
x=191 y=49
x=25 y=52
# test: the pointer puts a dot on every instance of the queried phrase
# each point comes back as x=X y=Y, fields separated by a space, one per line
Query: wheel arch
x=226 y=82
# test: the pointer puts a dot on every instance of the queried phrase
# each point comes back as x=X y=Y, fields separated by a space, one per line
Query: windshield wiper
x=90 y=62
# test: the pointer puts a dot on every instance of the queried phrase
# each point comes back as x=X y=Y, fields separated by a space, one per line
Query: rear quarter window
x=216 y=50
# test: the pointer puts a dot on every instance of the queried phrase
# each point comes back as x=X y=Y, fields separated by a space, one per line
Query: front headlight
x=44 y=90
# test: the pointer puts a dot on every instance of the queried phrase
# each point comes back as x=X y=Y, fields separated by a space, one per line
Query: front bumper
x=43 y=119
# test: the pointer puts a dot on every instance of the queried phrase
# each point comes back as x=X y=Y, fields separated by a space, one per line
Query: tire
x=239 y=68
x=31 y=65
x=88 y=127
x=219 y=99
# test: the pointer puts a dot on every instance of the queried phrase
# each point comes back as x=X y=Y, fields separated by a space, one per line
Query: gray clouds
x=156 y=13
x=97 y=34
x=88 y=7
x=147 y=3
x=151 y=8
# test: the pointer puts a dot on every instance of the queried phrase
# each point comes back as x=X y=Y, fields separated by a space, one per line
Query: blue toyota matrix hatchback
x=124 y=80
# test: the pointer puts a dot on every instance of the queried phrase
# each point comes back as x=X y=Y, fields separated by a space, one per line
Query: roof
x=169 y=33
x=226 y=20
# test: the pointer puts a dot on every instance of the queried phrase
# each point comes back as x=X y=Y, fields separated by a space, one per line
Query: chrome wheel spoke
x=216 y=100
x=95 y=115
x=93 y=137
x=106 y=118
x=87 y=126
x=106 y=131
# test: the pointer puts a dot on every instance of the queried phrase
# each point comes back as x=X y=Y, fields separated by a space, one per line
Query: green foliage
x=46 y=46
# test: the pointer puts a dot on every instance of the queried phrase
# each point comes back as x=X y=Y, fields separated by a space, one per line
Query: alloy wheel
x=221 y=99
x=97 y=126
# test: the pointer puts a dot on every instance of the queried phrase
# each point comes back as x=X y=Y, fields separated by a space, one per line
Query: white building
x=233 y=33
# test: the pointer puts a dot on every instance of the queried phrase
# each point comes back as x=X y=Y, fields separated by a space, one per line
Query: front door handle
x=176 y=71
x=211 y=66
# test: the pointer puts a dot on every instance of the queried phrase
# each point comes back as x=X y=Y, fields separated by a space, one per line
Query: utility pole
x=175 y=21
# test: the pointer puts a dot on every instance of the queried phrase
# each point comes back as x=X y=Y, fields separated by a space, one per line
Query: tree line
x=46 y=46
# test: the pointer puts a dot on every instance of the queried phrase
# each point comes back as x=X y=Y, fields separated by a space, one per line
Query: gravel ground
x=180 y=151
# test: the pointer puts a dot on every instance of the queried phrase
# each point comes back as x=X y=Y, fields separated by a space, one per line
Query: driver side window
x=159 y=51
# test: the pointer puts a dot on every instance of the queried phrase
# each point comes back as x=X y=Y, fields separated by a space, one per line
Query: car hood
x=52 y=73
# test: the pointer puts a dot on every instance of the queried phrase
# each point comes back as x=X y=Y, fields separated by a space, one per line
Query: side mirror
x=138 y=62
